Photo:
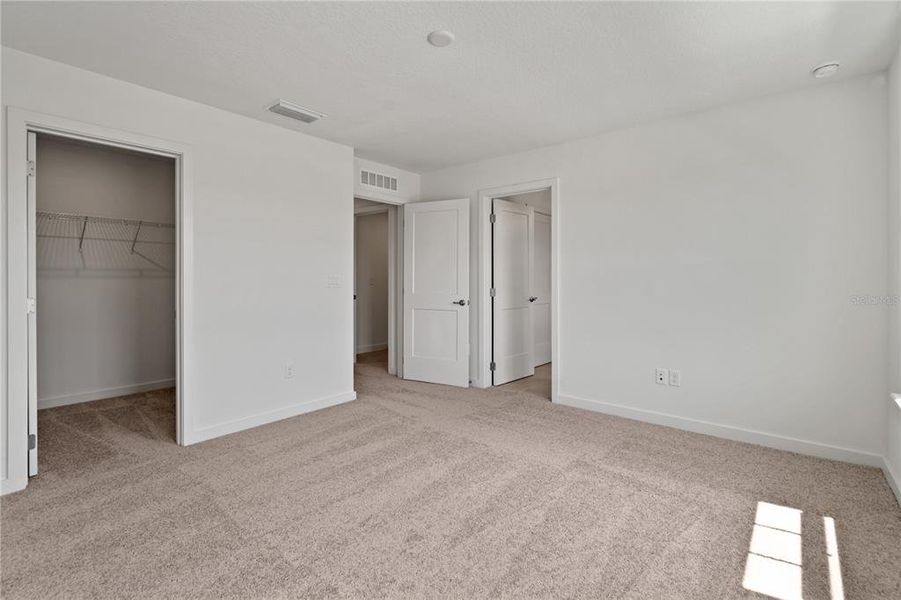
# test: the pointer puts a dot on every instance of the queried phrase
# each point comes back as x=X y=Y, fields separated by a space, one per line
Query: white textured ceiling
x=520 y=76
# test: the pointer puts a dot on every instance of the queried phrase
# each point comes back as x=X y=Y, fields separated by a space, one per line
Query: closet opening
x=520 y=310
x=375 y=287
x=104 y=283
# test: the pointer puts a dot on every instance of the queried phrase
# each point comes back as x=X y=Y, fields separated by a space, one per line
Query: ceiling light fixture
x=441 y=38
x=827 y=70
x=294 y=111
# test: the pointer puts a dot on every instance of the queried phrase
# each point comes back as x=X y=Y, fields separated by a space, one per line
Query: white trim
x=392 y=291
x=19 y=122
x=103 y=394
x=373 y=198
x=214 y=431
x=371 y=210
x=9 y=486
x=395 y=285
x=398 y=351
x=894 y=480
x=481 y=377
x=371 y=347
x=726 y=431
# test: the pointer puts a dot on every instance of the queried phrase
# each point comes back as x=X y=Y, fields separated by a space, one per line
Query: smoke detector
x=294 y=111
x=441 y=38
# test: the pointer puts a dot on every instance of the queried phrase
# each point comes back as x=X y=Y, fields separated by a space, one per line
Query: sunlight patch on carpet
x=774 y=564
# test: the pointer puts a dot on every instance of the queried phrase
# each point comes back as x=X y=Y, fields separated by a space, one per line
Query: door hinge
x=31 y=306
x=32 y=441
x=493 y=292
x=492 y=366
x=493 y=218
x=30 y=169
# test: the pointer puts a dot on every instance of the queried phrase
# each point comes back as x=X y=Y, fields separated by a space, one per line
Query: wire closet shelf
x=68 y=241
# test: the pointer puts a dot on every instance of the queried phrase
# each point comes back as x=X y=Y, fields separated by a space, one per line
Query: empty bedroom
x=450 y=300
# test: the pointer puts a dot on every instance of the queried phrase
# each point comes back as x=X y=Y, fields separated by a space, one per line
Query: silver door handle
x=460 y=302
x=533 y=298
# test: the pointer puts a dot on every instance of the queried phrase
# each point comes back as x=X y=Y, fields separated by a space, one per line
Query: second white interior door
x=512 y=335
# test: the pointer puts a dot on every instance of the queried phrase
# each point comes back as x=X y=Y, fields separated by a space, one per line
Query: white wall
x=408 y=183
x=893 y=455
x=371 y=247
x=103 y=330
x=728 y=244
x=272 y=224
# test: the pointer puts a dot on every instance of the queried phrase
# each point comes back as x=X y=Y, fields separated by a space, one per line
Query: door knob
x=460 y=302
x=533 y=298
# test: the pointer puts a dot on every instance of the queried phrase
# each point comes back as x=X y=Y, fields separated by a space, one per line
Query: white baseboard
x=727 y=431
x=214 y=431
x=8 y=486
x=894 y=481
x=371 y=347
x=105 y=393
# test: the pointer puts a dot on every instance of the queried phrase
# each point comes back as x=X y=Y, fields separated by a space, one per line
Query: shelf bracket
x=137 y=233
x=84 y=226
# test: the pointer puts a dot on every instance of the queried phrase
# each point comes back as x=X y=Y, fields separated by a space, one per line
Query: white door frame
x=482 y=377
x=543 y=295
x=395 y=280
x=19 y=122
x=391 y=210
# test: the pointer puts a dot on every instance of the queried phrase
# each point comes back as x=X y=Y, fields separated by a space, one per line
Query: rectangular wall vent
x=378 y=180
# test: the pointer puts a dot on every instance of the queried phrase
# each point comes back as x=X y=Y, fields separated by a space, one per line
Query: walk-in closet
x=105 y=253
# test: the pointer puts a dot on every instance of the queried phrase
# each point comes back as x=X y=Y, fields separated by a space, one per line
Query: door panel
x=541 y=289
x=435 y=268
x=511 y=280
x=435 y=333
x=436 y=280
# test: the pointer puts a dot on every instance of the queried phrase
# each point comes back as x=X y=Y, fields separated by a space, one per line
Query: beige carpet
x=379 y=357
x=538 y=384
x=423 y=491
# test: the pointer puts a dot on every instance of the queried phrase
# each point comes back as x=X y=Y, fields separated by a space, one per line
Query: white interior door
x=32 y=308
x=541 y=289
x=511 y=289
x=436 y=292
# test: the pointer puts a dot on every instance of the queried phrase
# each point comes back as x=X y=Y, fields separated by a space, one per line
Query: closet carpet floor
x=424 y=491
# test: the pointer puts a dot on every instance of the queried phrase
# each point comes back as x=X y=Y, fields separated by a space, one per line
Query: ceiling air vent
x=378 y=180
x=293 y=111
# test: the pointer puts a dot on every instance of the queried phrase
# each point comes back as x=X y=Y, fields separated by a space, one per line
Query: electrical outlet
x=289 y=370
x=675 y=377
x=661 y=376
